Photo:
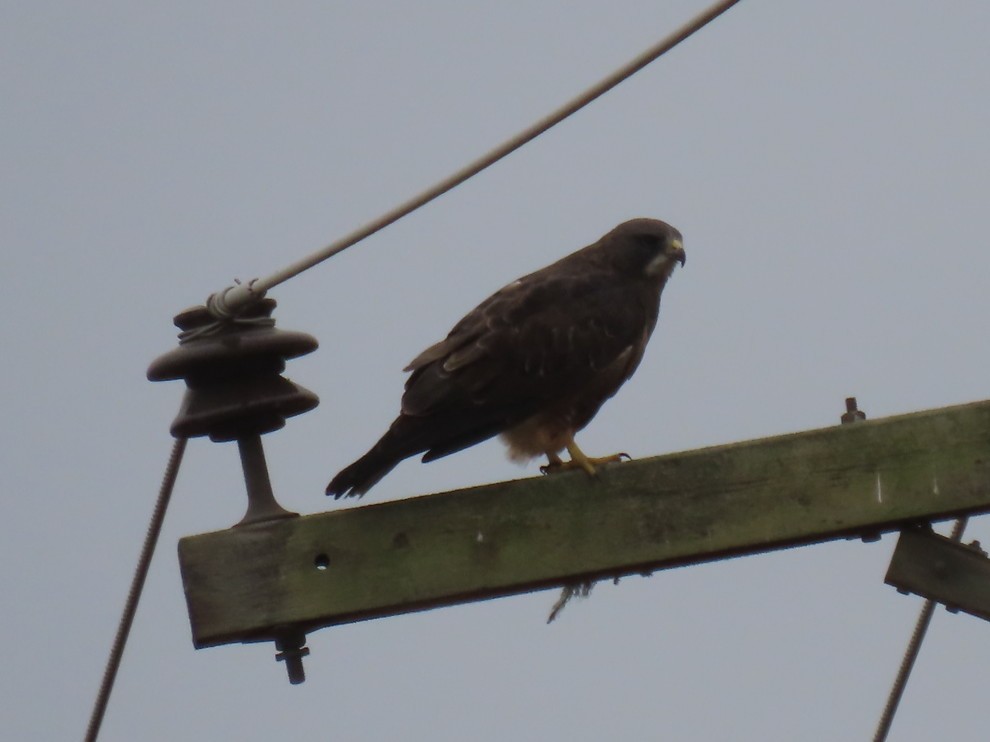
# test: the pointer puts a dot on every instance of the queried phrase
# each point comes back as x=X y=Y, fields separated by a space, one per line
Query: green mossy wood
x=384 y=559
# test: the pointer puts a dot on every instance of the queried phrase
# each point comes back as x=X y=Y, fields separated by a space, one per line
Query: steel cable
x=134 y=594
x=228 y=302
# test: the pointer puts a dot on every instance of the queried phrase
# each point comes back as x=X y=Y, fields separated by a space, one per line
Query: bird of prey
x=535 y=361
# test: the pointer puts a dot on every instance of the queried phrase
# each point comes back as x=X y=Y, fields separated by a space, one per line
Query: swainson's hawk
x=535 y=361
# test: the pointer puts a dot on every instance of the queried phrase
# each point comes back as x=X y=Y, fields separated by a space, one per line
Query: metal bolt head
x=853 y=413
x=291 y=651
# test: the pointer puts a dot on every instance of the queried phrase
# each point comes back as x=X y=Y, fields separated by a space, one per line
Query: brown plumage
x=535 y=361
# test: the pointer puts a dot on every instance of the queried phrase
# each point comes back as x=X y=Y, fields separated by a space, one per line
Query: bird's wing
x=535 y=341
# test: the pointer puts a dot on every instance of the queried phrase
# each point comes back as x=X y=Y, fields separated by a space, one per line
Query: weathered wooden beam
x=384 y=559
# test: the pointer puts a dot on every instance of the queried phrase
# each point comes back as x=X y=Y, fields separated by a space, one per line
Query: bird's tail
x=407 y=437
x=363 y=474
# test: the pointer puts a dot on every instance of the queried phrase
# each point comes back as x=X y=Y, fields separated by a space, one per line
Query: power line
x=230 y=300
x=134 y=594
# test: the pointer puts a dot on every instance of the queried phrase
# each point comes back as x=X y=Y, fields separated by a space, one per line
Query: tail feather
x=397 y=444
x=363 y=474
x=408 y=436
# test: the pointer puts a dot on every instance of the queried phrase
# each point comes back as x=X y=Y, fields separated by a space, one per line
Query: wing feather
x=539 y=339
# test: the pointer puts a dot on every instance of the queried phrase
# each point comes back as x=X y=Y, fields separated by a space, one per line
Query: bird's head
x=647 y=247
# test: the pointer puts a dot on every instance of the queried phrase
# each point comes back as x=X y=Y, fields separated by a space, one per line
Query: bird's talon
x=586 y=464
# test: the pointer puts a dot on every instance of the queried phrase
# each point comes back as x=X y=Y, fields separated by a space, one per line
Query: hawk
x=535 y=361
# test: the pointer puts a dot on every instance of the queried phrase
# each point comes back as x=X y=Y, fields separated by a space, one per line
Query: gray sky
x=827 y=165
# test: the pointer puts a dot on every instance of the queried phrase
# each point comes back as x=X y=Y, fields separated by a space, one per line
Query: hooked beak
x=677 y=252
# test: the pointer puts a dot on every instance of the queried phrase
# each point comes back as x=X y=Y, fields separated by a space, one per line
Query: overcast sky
x=827 y=164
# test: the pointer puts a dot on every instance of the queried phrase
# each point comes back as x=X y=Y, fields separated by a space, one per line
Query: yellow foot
x=579 y=461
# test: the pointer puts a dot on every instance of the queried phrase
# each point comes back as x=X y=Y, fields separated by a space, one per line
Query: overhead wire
x=229 y=301
x=134 y=594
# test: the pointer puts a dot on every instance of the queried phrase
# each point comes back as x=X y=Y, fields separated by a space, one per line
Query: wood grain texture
x=384 y=559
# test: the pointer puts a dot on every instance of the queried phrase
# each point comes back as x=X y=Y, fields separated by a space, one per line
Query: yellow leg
x=578 y=460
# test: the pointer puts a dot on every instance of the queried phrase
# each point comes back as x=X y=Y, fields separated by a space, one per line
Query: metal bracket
x=940 y=569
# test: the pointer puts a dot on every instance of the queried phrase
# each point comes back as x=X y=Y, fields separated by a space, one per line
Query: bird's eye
x=646 y=239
